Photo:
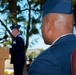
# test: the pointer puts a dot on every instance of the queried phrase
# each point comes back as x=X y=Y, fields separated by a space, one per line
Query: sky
x=41 y=44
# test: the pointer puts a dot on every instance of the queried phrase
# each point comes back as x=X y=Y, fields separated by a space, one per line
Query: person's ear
x=48 y=27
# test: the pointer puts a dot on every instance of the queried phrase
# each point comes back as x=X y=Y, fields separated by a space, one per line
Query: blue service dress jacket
x=17 y=51
x=56 y=59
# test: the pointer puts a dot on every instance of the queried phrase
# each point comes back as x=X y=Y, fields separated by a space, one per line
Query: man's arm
x=45 y=64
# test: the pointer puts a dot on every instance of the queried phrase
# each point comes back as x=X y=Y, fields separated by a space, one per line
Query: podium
x=4 y=54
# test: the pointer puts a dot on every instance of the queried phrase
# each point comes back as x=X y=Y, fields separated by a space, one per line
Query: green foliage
x=33 y=53
x=73 y=1
x=16 y=14
x=7 y=42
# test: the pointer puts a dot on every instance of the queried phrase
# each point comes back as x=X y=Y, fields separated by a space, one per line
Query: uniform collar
x=63 y=38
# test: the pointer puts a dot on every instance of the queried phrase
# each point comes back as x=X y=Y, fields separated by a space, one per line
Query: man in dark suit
x=17 y=51
x=57 y=28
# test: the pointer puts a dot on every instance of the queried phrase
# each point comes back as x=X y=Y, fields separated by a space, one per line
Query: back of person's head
x=57 y=19
x=30 y=60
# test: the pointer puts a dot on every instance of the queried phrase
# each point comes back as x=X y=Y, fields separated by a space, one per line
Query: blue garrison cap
x=15 y=26
x=57 y=6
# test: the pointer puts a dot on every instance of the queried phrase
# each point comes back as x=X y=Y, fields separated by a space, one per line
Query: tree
x=27 y=13
x=15 y=14
x=33 y=53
